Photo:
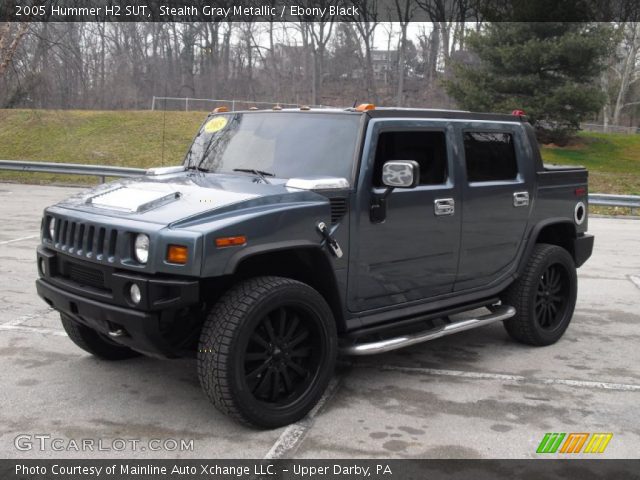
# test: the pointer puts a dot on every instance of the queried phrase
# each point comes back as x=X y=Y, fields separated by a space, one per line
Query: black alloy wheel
x=544 y=296
x=551 y=296
x=283 y=355
x=267 y=351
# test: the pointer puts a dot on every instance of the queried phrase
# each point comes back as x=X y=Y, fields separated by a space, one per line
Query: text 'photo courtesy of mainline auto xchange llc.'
x=357 y=239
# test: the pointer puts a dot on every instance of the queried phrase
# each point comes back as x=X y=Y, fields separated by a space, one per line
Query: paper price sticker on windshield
x=215 y=124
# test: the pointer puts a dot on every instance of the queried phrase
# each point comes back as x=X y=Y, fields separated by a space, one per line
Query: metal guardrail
x=102 y=171
x=629 y=201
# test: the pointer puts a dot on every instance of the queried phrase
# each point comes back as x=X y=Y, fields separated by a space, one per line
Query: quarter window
x=490 y=156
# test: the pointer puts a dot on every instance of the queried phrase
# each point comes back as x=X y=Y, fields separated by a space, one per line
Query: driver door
x=412 y=254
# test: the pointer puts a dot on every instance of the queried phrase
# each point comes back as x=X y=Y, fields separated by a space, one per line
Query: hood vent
x=338 y=209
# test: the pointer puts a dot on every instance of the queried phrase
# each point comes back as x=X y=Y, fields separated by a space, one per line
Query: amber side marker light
x=231 y=241
x=363 y=107
x=177 y=254
x=220 y=110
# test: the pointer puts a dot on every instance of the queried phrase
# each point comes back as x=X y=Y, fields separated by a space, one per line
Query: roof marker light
x=363 y=107
x=220 y=110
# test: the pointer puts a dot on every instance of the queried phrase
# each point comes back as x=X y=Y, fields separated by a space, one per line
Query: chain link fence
x=207 y=104
x=592 y=127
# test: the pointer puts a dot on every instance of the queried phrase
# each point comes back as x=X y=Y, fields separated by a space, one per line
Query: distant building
x=290 y=57
x=383 y=63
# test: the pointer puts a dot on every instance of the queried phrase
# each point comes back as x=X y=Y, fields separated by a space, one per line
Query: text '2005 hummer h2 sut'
x=290 y=236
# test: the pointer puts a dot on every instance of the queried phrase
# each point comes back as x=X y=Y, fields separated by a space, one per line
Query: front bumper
x=149 y=327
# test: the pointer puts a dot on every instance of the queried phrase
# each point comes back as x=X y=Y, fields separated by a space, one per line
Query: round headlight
x=135 y=293
x=52 y=228
x=141 y=248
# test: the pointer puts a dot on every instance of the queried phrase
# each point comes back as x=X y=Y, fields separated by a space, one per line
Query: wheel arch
x=306 y=263
x=556 y=231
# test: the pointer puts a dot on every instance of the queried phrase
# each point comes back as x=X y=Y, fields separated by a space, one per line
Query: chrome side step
x=502 y=312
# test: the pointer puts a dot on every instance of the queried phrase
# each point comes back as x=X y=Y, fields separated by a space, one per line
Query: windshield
x=282 y=144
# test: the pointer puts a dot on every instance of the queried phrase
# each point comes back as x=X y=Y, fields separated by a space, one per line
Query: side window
x=429 y=149
x=490 y=156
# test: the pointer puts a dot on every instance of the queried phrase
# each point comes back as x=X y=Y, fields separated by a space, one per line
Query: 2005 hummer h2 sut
x=288 y=236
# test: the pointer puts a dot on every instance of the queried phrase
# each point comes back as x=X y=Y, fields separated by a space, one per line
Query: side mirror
x=401 y=173
x=395 y=174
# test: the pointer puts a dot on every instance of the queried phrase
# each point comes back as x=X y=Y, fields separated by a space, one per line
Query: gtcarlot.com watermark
x=46 y=443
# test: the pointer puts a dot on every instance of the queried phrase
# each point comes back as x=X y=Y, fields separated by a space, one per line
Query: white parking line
x=30 y=316
x=293 y=435
x=625 y=387
x=18 y=239
x=27 y=329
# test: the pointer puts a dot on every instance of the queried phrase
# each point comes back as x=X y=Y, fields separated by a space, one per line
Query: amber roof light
x=363 y=107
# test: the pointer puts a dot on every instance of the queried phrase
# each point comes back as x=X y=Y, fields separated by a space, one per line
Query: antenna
x=355 y=102
x=164 y=119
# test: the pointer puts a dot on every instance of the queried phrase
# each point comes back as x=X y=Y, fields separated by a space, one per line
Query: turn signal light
x=220 y=110
x=363 y=107
x=231 y=241
x=177 y=254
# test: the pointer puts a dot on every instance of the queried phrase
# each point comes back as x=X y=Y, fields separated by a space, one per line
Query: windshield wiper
x=198 y=168
x=259 y=173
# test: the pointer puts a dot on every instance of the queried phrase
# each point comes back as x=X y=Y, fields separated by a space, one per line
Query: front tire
x=544 y=297
x=267 y=351
x=95 y=343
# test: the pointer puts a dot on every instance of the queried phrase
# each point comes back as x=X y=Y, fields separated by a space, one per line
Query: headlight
x=52 y=228
x=141 y=248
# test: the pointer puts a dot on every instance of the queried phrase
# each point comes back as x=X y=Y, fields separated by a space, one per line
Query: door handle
x=520 y=199
x=444 y=206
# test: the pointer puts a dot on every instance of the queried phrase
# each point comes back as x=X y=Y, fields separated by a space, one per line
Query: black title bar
x=318 y=10
x=207 y=469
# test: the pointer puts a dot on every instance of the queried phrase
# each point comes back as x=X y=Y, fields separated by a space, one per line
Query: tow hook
x=331 y=242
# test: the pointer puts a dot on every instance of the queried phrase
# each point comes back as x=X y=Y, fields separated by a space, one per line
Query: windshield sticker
x=215 y=124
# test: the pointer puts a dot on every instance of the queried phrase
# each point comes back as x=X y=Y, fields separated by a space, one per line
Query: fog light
x=135 y=293
x=43 y=267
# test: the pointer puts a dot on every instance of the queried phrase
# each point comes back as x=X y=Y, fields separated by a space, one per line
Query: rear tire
x=95 y=343
x=544 y=297
x=267 y=351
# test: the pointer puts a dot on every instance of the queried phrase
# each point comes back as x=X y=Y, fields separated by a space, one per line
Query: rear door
x=497 y=196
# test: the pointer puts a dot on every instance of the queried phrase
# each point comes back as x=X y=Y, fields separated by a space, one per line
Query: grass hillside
x=123 y=138
x=613 y=160
x=136 y=139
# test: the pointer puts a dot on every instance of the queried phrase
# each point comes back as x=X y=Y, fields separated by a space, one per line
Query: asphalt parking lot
x=472 y=395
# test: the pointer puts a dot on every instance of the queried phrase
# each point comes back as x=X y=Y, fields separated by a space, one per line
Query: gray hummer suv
x=290 y=236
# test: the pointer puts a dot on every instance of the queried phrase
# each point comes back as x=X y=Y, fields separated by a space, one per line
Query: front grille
x=338 y=209
x=84 y=275
x=84 y=239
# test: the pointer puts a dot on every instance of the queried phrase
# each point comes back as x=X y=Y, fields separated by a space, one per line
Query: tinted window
x=490 y=156
x=286 y=144
x=429 y=149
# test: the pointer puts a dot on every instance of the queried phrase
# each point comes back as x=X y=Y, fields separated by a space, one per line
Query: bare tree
x=366 y=24
x=405 y=10
x=10 y=36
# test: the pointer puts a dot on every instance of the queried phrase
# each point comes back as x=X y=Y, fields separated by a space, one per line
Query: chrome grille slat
x=85 y=239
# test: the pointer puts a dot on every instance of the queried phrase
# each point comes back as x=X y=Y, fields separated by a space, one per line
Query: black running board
x=501 y=312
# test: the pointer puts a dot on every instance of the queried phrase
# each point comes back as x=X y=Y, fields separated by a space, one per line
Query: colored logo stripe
x=550 y=443
x=598 y=442
x=574 y=443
